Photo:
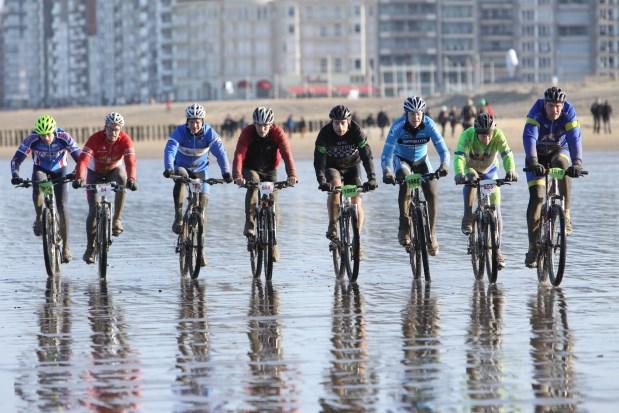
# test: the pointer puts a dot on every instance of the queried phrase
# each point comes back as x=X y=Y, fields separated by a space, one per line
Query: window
x=291 y=11
x=324 y=65
x=357 y=28
x=573 y=30
x=338 y=65
x=291 y=29
x=358 y=64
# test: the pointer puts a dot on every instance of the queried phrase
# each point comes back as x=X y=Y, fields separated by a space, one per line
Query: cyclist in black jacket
x=341 y=146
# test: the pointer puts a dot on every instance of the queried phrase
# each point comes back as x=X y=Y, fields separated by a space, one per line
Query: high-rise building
x=607 y=38
x=496 y=37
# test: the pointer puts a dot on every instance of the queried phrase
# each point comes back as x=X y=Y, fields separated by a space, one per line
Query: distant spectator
x=485 y=107
x=229 y=126
x=289 y=125
x=382 y=121
x=355 y=118
x=442 y=119
x=302 y=127
x=453 y=119
x=468 y=114
x=369 y=121
x=606 y=111
x=168 y=105
x=242 y=122
x=596 y=111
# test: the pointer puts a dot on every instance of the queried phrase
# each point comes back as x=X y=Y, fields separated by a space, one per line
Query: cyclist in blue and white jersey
x=48 y=146
x=551 y=138
x=186 y=153
x=406 y=151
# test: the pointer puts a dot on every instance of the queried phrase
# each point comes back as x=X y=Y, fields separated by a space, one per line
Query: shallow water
x=147 y=340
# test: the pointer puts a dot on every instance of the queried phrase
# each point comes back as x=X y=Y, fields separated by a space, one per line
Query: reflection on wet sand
x=54 y=351
x=552 y=352
x=193 y=347
x=267 y=386
x=352 y=384
x=421 y=346
x=113 y=378
x=484 y=367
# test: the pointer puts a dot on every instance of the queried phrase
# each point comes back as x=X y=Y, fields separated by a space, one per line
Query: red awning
x=242 y=84
x=264 y=84
x=309 y=89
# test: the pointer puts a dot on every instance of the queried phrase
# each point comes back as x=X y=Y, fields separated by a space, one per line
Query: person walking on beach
x=468 y=114
x=605 y=112
x=443 y=117
x=382 y=121
x=453 y=119
x=596 y=112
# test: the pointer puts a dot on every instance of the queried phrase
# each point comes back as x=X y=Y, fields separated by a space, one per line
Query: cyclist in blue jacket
x=551 y=138
x=186 y=153
x=406 y=151
x=48 y=145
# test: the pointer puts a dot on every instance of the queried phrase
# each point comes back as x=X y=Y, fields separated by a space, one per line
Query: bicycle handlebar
x=424 y=177
x=115 y=186
x=475 y=183
x=360 y=188
x=528 y=169
x=186 y=180
x=277 y=185
x=27 y=183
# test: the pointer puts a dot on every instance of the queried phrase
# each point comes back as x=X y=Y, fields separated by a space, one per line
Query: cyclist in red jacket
x=258 y=153
x=99 y=161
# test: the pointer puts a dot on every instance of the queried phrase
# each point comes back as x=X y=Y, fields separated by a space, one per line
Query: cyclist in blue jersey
x=551 y=139
x=406 y=151
x=48 y=146
x=186 y=153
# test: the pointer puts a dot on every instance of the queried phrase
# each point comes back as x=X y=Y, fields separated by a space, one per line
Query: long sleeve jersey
x=472 y=154
x=49 y=157
x=542 y=136
x=191 y=151
x=412 y=144
x=262 y=154
x=101 y=156
x=342 y=152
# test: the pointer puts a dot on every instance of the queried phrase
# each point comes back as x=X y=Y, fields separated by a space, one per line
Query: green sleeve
x=509 y=164
x=463 y=148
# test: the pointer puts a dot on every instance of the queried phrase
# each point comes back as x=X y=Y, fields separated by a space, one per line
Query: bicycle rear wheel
x=421 y=243
x=354 y=248
x=50 y=253
x=255 y=256
x=194 y=245
x=477 y=258
x=492 y=247
x=103 y=238
x=556 y=245
x=414 y=251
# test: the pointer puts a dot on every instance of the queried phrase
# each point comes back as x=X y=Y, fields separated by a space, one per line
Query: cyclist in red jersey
x=99 y=161
x=257 y=155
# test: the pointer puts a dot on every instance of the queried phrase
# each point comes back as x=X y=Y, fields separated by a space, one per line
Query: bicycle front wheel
x=424 y=238
x=103 y=238
x=269 y=241
x=194 y=245
x=556 y=245
x=414 y=251
x=354 y=248
x=475 y=249
x=181 y=247
x=492 y=246
x=50 y=252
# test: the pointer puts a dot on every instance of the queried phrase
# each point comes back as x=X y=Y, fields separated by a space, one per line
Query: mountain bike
x=260 y=245
x=484 y=239
x=345 y=249
x=103 y=221
x=418 y=223
x=552 y=239
x=189 y=243
x=53 y=243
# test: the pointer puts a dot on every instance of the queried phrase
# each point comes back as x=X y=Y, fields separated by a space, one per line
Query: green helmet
x=45 y=125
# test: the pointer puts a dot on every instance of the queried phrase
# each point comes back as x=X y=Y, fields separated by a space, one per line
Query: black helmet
x=484 y=123
x=554 y=95
x=340 y=112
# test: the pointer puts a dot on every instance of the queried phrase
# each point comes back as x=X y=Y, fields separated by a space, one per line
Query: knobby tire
x=49 y=247
x=355 y=247
x=195 y=245
x=556 y=247
x=269 y=227
x=475 y=240
x=103 y=237
x=414 y=250
x=493 y=245
x=423 y=235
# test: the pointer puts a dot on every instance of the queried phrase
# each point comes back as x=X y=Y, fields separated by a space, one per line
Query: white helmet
x=414 y=104
x=114 y=118
x=263 y=115
x=195 y=111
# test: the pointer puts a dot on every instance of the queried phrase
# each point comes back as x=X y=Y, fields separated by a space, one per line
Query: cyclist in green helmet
x=48 y=146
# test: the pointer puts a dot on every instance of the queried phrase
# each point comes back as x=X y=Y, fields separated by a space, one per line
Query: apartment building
x=497 y=35
x=606 y=38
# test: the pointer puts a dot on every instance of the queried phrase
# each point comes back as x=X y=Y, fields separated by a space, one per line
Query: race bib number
x=349 y=191
x=104 y=189
x=413 y=181
x=195 y=185
x=487 y=186
x=266 y=188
